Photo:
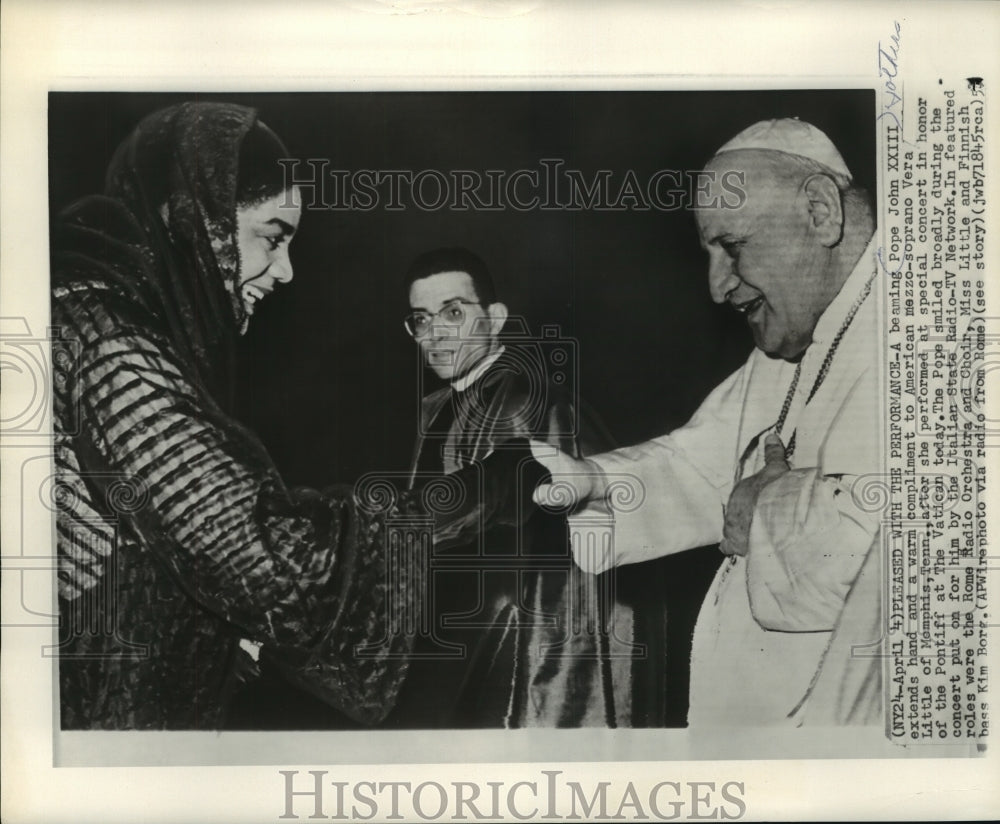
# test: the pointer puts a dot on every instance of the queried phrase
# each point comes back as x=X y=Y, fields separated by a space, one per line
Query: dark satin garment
x=501 y=653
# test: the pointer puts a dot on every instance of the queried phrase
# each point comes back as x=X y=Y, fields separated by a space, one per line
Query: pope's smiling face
x=765 y=259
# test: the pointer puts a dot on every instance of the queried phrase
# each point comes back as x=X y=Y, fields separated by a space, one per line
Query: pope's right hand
x=574 y=481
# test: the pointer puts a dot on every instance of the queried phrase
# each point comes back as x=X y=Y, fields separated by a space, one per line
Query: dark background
x=330 y=379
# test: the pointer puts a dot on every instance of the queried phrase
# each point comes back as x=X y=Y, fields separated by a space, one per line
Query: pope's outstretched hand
x=574 y=481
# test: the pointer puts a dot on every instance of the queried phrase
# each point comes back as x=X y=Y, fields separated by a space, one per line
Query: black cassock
x=519 y=635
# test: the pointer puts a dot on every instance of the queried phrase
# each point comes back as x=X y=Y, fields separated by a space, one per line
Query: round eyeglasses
x=452 y=313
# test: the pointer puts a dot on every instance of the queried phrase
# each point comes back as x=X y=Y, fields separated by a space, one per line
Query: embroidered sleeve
x=305 y=573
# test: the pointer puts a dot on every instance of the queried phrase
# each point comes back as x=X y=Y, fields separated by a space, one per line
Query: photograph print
x=466 y=410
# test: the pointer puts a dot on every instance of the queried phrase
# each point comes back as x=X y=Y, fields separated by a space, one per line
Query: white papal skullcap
x=792 y=136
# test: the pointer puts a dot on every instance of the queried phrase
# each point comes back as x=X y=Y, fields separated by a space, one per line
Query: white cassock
x=769 y=617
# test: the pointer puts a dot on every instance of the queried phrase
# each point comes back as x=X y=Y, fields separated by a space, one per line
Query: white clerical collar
x=462 y=383
x=833 y=316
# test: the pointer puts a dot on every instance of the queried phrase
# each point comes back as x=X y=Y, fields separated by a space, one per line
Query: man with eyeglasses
x=519 y=654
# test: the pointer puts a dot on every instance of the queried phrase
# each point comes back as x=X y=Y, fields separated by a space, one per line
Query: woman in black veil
x=181 y=552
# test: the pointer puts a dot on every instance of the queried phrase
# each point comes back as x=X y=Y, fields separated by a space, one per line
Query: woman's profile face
x=264 y=231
